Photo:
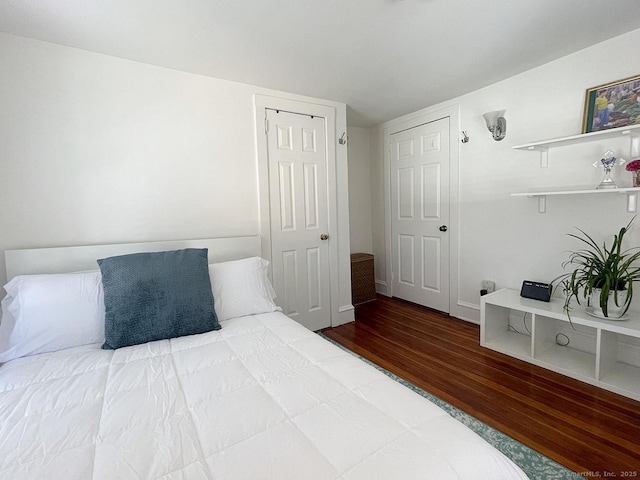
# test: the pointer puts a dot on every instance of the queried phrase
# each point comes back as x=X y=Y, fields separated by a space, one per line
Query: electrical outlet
x=489 y=286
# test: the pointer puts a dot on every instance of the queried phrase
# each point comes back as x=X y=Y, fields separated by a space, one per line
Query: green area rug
x=534 y=464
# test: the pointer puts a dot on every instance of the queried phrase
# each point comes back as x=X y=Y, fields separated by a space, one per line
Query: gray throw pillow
x=155 y=296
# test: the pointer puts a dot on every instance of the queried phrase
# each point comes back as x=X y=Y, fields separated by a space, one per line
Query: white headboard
x=77 y=259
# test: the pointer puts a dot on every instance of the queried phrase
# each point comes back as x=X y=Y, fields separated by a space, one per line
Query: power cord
x=524 y=322
x=561 y=339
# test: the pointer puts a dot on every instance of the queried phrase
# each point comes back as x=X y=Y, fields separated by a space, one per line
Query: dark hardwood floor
x=587 y=429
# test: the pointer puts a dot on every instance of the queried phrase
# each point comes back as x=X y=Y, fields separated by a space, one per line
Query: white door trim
x=261 y=103
x=404 y=123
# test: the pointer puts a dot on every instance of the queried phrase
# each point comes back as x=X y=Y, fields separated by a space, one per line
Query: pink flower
x=633 y=165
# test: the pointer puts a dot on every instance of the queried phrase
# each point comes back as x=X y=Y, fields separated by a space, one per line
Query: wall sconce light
x=496 y=124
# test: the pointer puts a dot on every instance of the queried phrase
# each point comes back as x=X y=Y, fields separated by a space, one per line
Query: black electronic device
x=536 y=290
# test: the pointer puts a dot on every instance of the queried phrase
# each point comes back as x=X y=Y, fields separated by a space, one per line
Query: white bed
x=261 y=398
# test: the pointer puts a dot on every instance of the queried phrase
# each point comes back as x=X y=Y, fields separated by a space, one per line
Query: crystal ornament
x=607 y=162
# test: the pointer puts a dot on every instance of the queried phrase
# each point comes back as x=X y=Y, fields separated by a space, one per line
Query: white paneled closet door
x=299 y=216
x=420 y=214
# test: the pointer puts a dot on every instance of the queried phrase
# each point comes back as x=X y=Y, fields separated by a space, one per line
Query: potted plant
x=604 y=275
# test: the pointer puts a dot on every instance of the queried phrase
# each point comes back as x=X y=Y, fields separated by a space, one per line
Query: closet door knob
x=324 y=236
x=443 y=228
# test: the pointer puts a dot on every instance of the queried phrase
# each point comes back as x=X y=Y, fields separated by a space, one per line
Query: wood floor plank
x=585 y=428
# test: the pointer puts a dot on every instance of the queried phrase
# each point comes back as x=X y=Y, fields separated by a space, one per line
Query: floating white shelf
x=542 y=194
x=543 y=146
x=580 y=138
x=601 y=366
x=633 y=132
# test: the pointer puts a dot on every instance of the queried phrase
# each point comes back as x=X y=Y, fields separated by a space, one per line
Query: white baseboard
x=381 y=287
x=346 y=314
x=469 y=312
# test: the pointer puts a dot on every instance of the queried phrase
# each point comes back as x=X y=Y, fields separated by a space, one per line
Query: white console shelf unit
x=599 y=365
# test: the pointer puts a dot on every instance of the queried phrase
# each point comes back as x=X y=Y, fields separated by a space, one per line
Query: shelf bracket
x=635 y=144
x=544 y=157
x=542 y=202
x=632 y=202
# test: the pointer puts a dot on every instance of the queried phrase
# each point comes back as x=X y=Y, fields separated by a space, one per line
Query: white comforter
x=261 y=398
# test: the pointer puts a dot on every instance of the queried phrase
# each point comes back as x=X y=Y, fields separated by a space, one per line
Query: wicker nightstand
x=363 y=288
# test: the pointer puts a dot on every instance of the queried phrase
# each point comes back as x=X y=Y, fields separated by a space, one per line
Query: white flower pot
x=613 y=310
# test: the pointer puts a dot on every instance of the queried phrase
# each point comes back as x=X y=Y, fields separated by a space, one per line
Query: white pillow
x=241 y=287
x=46 y=313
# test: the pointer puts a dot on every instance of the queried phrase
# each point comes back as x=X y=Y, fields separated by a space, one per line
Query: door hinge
x=266 y=125
x=389 y=147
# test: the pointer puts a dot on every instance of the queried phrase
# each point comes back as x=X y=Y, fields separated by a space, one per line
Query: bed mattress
x=262 y=398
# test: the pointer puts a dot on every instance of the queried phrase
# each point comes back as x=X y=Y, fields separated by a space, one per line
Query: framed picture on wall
x=612 y=105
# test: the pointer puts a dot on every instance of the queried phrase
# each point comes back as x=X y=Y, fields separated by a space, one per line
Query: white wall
x=360 y=190
x=97 y=149
x=502 y=238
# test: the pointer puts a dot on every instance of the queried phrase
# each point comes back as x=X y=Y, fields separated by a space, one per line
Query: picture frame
x=622 y=107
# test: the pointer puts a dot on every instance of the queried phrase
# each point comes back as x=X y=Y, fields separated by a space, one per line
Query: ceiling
x=383 y=58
